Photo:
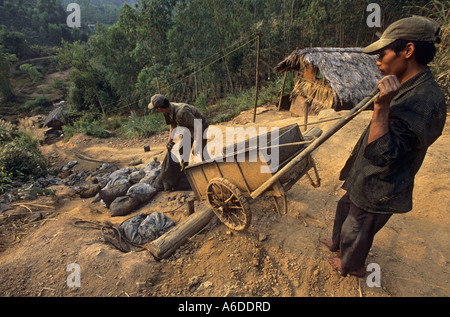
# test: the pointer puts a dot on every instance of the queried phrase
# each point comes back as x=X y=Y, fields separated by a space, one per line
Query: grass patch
x=234 y=104
x=143 y=126
x=101 y=126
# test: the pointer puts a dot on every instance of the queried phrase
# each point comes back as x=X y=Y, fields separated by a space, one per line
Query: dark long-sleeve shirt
x=380 y=176
x=184 y=115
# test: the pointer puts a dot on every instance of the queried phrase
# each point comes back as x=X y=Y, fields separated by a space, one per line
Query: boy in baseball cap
x=415 y=28
x=408 y=116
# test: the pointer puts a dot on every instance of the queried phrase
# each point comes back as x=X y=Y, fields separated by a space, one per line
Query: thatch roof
x=351 y=74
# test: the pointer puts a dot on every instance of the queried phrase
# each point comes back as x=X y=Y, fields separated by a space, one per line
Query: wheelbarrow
x=227 y=183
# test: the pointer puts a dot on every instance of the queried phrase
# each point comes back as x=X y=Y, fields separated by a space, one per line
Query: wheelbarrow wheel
x=228 y=203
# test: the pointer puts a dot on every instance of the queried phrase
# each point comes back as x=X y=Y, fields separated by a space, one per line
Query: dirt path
x=14 y=67
x=276 y=256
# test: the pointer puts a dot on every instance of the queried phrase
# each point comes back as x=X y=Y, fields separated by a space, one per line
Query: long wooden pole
x=366 y=102
x=258 y=40
x=167 y=244
x=282 y=91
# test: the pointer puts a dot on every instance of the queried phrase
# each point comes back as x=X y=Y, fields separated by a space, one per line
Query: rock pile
x=121 y=190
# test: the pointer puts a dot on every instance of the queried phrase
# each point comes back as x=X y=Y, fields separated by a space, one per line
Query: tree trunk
x=167 y=244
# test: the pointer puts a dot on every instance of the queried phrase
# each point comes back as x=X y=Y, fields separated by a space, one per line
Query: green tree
x=6 y=61
x=15 y=43
x=54 y=34
x=35 y=75
x=87 y=82
x=193 y=49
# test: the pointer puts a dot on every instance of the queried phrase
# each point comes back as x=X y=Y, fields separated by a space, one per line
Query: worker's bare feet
x=336 y=264
x=329 y=243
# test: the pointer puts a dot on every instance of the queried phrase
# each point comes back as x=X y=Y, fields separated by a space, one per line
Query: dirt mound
x=276 y=256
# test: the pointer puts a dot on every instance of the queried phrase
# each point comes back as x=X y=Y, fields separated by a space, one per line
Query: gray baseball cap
x=415 y=28
x=157 y=101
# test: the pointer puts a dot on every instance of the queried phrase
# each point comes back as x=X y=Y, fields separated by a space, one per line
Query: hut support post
x=282 y=90
x=305 y=128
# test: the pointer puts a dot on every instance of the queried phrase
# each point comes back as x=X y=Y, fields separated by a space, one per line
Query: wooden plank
x=167 y=244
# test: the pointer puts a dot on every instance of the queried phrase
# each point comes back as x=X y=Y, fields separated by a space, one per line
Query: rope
x=191 y=74
x=103 y=227
x=85 y=224
x=317 y=122
x=218 y=52
x=332 y=119
x=215 y=61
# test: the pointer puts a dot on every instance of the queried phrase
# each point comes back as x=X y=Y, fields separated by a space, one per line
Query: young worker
x=408 y=116
x=181 y=115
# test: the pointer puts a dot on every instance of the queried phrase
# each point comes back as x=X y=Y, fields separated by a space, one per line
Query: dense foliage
x=26 y=23
x=206 y=48
x=195 y=51
x=43 y=22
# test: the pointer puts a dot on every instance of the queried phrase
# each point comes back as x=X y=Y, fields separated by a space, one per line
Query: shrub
x=87 y=124
x=201 y=103
x=143 y=126
x=39 y=105
x=61 y=86
x=6 y=179
x=35 y=75
x=235 y=103
x=20 y=156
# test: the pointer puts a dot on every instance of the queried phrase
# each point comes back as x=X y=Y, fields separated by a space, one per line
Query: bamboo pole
x=366 y=102
x=282 y=91
x=258 y=41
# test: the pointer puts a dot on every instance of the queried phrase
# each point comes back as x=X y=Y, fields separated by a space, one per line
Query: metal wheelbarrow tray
x=227 y=183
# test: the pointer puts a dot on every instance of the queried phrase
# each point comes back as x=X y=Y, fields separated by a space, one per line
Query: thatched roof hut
x=336 y=78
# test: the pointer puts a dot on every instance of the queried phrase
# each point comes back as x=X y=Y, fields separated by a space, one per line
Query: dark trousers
x=353 y=232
